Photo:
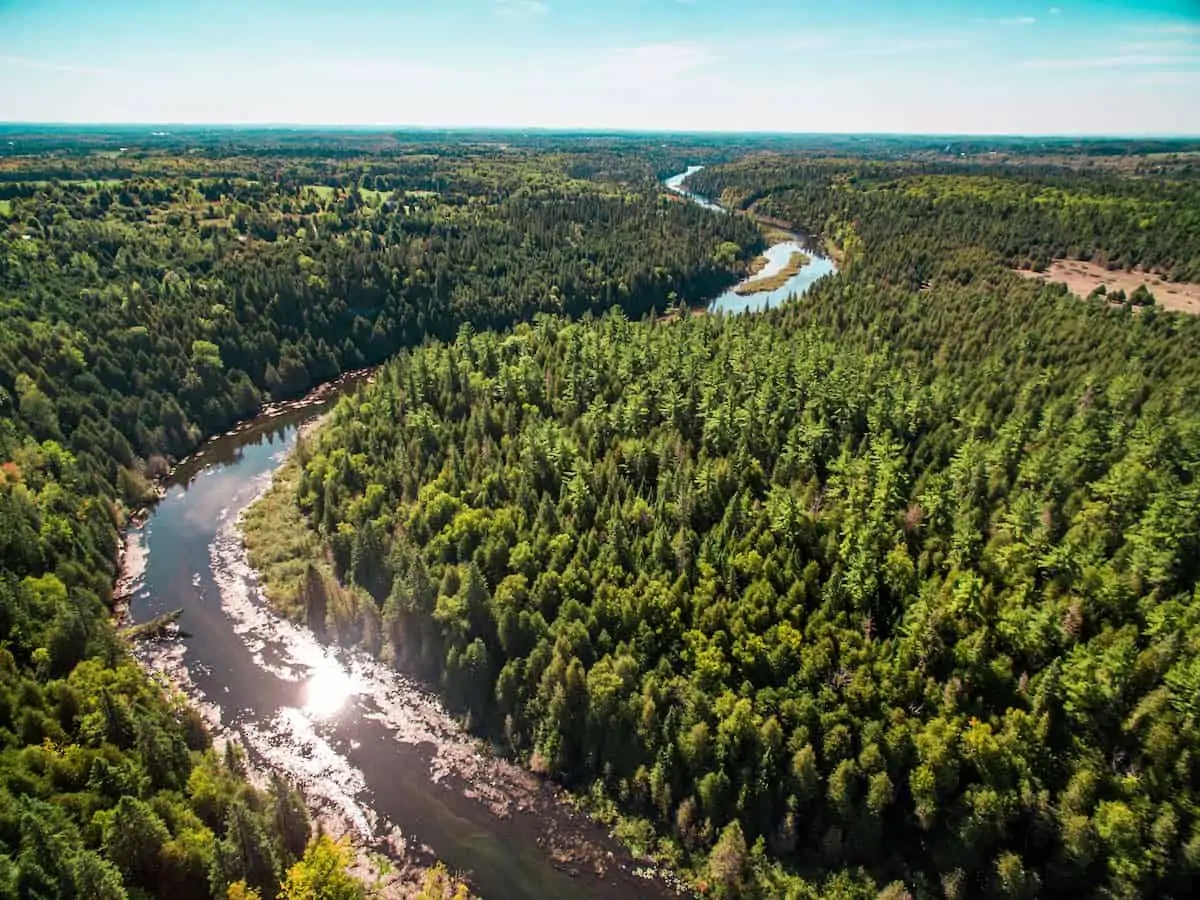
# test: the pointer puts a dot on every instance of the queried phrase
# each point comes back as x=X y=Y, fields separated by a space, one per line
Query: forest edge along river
x=373 y=751
x=818 y=266
x=369 y=748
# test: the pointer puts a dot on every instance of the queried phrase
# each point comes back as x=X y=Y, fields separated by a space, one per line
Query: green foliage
x=915 y=216
x=885 y=606
x=158 y=311
x=104 y=790
x=133 y=837
x=321 y=874
x=895 y=585
x=1141 y=296
x=247 y=852
x=139 y=315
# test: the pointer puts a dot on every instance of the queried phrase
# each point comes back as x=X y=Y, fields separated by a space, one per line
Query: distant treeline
x=921 y=220
x=349 y=142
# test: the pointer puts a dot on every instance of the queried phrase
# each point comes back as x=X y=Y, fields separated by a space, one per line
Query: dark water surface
x=366 y=744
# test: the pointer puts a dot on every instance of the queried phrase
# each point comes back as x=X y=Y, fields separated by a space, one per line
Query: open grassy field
x=774 y=234
x=1081 y=278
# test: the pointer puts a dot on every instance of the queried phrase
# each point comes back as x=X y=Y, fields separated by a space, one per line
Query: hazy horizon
x=583 y=131
x=1106 y=68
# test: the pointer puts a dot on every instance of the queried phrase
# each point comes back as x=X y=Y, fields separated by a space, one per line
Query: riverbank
x=772 y=235
x=130 y=559
x=292 y=570
x=391 y=869
x=279 y=543
x=337 y=723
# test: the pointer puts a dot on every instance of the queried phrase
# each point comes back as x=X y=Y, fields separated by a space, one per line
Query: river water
x=777 y=255
x=370 y=749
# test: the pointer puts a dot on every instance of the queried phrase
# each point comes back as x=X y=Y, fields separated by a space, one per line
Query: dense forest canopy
x=915 y=215
x=143 y=311
x=18 y=140
x=922 y=619
x=894 y=585
x=893 y=588
x=153 y=311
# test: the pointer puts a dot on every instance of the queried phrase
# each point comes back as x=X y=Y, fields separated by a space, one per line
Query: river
x=777 y=255
x=369 y=748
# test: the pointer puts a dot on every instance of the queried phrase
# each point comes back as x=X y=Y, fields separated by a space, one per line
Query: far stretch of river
x=777 y=257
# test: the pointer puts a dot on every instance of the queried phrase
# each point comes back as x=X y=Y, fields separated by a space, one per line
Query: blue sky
x=1038 y=67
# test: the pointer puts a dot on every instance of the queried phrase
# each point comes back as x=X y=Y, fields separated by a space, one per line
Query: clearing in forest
x=1082 y=278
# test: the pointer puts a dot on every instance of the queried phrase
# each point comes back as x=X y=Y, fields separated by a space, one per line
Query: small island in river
x=797 y=261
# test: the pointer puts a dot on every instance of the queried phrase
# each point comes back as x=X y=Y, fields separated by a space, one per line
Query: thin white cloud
x=1171 y=29
x=610 y=70
x=1007 y=21
x=649 y=63
x=1110 y=62
x=1055 y=10
x=377 y=70
x=1167 y=78
x=521 y=7
x=858 y=45
x=908 y=45
x=24 y=62
x=811 y=42
x=1157 y=47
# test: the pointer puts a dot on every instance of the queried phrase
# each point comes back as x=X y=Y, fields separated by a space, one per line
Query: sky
x=1076 y=67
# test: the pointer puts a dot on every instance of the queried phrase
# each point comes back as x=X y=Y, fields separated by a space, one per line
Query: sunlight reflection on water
x=329 y=687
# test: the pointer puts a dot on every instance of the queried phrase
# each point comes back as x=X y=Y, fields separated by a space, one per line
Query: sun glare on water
x=329 y=687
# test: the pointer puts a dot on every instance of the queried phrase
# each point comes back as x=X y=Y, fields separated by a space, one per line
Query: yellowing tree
x=439 y=885
x=321 y=874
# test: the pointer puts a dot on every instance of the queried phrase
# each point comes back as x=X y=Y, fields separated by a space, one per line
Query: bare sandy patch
x=1081 y=278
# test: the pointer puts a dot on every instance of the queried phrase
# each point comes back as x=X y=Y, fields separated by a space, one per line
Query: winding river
x=373 y=751
x=777 y=256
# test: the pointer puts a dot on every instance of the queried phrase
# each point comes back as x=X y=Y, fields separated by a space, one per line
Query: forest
x=888 y=591
x=141 y=314
x=917 y=216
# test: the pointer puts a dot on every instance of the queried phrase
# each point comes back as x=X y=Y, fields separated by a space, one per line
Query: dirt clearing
x=1082 y=278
